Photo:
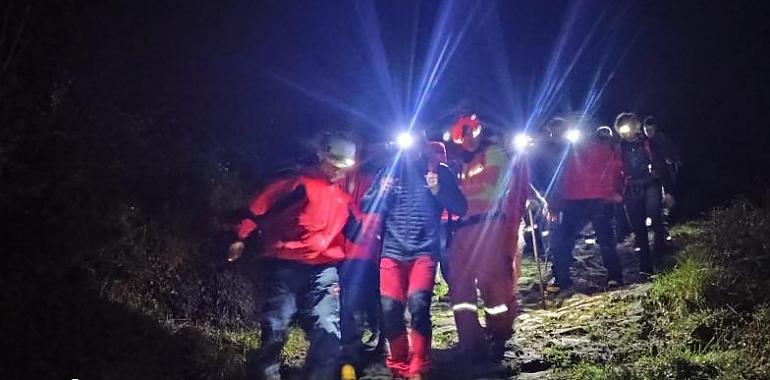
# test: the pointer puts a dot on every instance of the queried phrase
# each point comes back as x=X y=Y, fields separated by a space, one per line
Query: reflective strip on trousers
x=495 y=310
x=465 y=307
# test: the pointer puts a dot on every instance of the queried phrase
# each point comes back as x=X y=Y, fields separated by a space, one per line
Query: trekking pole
x=537 y=257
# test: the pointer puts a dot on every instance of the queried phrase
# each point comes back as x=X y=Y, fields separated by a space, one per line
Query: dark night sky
x=698 y=66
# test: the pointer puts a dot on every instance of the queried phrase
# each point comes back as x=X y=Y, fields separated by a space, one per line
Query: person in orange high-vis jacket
x=299 y=221
x=485 y=252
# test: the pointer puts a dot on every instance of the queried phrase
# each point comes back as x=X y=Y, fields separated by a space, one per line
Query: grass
x=440 y=289
x=683 y=289
x=708 y=317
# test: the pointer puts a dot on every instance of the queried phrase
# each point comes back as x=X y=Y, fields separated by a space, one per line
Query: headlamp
x=625 y=129
x=405 y=140
x=521 y=141
x=573 y=135
x=446 y=136
x=346 y=163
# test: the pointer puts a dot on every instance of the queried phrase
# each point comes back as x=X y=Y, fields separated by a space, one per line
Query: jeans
x=360 y=306
x=646 y=201
x=309 y=293
x=575 y=215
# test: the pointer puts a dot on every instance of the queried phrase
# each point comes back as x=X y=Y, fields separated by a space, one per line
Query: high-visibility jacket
x=494 y=182
x=300 y=218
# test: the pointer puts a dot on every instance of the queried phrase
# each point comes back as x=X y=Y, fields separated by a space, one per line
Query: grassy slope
x=705 y=319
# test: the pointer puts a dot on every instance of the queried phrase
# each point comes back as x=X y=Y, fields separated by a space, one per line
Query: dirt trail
x=586 y=323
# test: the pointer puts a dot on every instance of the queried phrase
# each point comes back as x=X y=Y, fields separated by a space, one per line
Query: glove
x=535 y=206
x=668 y=200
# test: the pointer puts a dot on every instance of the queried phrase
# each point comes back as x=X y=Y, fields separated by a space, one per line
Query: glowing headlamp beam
x=521 y=141
x=573 y=135
x=405 y=140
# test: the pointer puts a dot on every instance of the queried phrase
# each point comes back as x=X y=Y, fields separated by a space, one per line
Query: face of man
x=604 y=134
x=416 y=151
x=337 y=158
x=650 y=130
x=332 y=172
x=628 y=131
x=470 y=141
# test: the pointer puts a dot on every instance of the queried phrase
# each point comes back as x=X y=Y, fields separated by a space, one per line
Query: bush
x=707 y=318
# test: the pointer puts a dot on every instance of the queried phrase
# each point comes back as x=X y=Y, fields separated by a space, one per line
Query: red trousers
x=485 y=255
x=407 y=285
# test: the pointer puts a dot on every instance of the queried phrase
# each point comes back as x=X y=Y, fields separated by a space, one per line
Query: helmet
x=555 y=128
x=338 y=151
x=465 y=124
x=627 y=125
x=650 y=126
x=604 y=132
x=649 y=121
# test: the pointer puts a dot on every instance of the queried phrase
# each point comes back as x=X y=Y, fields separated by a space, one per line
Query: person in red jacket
x=298 y=221
x=485 y=252
x=591 y=186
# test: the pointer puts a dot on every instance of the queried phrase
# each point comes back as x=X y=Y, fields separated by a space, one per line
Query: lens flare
x=405 y=140
x=521 y=141
x=573 y=135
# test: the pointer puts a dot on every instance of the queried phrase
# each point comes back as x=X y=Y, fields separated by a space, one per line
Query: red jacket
x=368 y=244
x=306 y=229
x=593 y=171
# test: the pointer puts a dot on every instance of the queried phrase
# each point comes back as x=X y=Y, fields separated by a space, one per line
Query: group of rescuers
x=342 y=248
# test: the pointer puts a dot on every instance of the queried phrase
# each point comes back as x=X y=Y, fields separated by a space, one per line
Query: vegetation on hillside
x=707 y=318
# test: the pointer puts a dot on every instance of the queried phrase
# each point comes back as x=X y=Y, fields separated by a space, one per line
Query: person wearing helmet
x=545 y=157
x=607 y=135
x=662 y=146
x=590 y=187
x=410 y=197
x=298 y=221
x=644 y=176
x=485 y=255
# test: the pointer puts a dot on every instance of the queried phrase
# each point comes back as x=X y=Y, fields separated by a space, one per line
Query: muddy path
x=588 y=322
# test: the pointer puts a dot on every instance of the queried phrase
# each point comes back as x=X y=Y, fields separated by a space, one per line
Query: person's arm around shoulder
x=373 y=201
x=448 y=191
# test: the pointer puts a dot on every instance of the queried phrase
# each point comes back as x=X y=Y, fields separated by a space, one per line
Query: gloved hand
x=668 y=200
x=536 y=206
x=432 y=180
x=235 y=251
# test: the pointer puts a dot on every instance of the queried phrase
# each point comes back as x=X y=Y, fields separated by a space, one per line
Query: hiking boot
x=489 y=368
x=469 y=354
x=555 y=287
x=496 y=349
x=646 y=276
x=348 y=372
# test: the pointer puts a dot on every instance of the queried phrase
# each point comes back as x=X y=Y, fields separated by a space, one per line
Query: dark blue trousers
x=646 y=201
x=309 y=294
x=575 y=215
x=360 y=306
